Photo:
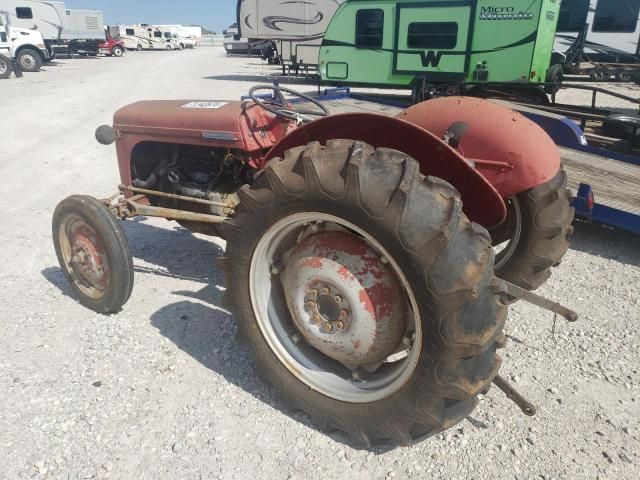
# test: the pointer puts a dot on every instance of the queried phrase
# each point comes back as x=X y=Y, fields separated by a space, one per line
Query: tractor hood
x=206 y=120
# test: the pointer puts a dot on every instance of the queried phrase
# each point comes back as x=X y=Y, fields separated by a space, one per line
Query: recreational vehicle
x=399 y=44
x=183 y=37
x=296 y=27
x=135 y=37
x=613 y=28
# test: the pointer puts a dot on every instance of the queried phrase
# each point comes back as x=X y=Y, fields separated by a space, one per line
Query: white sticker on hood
x=204 y=104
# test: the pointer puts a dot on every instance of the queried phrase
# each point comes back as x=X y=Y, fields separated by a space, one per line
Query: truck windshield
x=167 y=35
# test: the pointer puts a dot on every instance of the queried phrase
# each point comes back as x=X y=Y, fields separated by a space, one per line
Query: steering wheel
x=278 y=106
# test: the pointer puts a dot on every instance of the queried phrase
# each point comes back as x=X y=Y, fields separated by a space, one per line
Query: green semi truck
x=401 y=44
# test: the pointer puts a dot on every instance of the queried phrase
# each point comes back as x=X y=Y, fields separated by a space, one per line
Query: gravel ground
x=161 y=390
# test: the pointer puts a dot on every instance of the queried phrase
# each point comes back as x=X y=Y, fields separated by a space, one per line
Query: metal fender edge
x=513 y=153
x=481 y=201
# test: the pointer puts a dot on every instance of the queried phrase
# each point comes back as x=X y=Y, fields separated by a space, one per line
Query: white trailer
x=45 y=16
x=193 y=32
x=296 y=27
x=184 y=38
x=613 y=29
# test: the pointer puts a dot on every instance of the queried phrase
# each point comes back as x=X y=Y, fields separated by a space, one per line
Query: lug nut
x=314 y=293
x=340 y=325
x=343 y=314
x=316 y=318
x=324 y=291
x=338 y=299
x=327 y=327
x=311 y=304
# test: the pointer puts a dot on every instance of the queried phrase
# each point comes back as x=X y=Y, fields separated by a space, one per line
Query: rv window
x=24 y=12
x=130 y=32
x=167 y=35
x=369 y=28
x=157 y=34
x=573 y=15
x=616 y=16
x=433 y=35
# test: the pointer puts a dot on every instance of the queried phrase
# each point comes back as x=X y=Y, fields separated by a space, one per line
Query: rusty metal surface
x=344 y=299
x=522 y=294
x=156 y=193
x=136 y=209
x=88 y=255
x=482 y=203
x=512 y=394
x=511 y=151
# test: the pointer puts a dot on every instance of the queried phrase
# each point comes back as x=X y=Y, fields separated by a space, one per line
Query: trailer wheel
x=117 y=51
x=139 y=47
x=365 y=295
x=536 y=234
x=621 y=125
x=5 y=67
x=29 y=60
x=169 y=47
x=93 y=253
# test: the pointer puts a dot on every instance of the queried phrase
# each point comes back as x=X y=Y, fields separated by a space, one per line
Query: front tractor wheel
x=366 y=296
x=93 y=253
x=535 y=235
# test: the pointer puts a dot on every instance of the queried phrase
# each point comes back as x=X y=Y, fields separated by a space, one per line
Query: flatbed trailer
x=606 y=184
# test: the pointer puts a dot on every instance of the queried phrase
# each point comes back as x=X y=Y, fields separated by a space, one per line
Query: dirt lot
x=162 y=391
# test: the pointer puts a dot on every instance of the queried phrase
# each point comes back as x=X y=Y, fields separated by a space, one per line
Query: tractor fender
x=513 y=153
x=481 y=202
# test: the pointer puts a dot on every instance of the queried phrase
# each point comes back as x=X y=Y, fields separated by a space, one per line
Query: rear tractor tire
x=536 y=234
x=365 y=295
x=93 y=253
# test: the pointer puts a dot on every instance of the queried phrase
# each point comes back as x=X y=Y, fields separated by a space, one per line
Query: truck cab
x=6 y=66
x=22 y=45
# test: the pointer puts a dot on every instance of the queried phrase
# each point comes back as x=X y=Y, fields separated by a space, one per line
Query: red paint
x=356 y=344
x=383 y=298
x=496 y=134
x=312 y=262
x=110 y=43
x=344 y=273
x=481 y=202
x=366 y=302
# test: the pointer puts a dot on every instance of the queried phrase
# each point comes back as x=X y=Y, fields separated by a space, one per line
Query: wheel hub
x=344 y=298
x=88 y=257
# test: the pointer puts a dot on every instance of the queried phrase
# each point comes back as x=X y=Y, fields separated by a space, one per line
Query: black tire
x=139 y=47
x=555 y=75
x=110 y=238
x=117 y=51
x=419 y=221
x=547 y=215
x=622 y=125
x=5 y=67
x=30 y=60
x=169 y=47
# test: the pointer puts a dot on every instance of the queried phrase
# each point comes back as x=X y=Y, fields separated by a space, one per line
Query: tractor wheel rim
x=3 y=67
x=84 y=257
x=281 y=297
x=505 y=250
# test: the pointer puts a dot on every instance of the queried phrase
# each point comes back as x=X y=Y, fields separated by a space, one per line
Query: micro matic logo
x=503 y=13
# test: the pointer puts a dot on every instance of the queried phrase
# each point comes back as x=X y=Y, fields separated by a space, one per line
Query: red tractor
x=360 y=262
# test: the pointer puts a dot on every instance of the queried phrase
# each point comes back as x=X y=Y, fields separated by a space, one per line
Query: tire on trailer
x=545 y=214
x=29 y=60
x=93 y=253
x=444 y=259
